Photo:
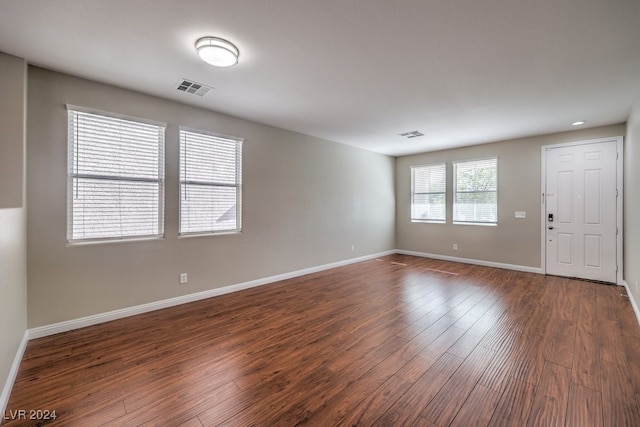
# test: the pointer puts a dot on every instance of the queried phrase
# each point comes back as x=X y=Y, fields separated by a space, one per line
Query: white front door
x=581 y=211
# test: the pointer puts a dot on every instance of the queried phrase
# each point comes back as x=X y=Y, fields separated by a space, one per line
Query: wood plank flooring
x=397 y=341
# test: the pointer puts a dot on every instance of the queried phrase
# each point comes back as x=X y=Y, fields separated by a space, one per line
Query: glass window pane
x=116 y=175
x=210 y=183
x=428 y=193
x=476 y=191
x=208 y=208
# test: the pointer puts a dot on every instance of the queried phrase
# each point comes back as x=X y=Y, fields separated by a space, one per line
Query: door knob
x=550 y=228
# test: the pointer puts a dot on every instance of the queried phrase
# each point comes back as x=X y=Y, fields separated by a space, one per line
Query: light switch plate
x=521 y=214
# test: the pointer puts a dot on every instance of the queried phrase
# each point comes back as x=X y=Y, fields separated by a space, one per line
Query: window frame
x=72 y=175
x=237 y=185
x=443 y=165
x=455 y=192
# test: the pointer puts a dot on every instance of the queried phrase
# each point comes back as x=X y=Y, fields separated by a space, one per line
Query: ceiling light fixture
x=578 y=123
x=218 y=52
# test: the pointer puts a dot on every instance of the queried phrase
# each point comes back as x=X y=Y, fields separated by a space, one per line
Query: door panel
x=581 y=209
x=565 y=197
x=565 y=248
x=592 y=197
x=592 y=256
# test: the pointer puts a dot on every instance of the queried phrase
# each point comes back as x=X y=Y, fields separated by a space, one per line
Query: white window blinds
x=210 y=183
x=428 y=196
x=475 y=197
x=116 y=177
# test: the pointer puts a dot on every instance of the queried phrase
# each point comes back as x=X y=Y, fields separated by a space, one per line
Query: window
x=428 y=193
x=116 y=177
x=475 y=191
x=210 y=183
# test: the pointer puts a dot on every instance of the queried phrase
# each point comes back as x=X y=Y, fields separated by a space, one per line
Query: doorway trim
x=619 y=199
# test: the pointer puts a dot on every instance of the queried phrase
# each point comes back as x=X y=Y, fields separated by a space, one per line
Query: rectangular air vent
x=412 y=134
x=194 y=88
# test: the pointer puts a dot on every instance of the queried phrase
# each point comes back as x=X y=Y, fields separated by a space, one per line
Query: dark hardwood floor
x=397 y=341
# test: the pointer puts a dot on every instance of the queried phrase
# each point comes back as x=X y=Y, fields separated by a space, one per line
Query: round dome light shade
x=217 y=52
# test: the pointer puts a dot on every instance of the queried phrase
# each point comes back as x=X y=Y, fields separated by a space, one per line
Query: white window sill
x=483 y=224
x=86 y=242
x=428 y=221
x=205 y=234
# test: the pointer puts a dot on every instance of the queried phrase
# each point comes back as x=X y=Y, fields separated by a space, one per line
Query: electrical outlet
x=455 y=246
x=353 y=248
x=183 y=278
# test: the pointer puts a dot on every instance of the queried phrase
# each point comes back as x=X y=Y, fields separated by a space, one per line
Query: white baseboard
x=56 y=328
x=69 y=325
x=634 y=303
x=13 y=373
x=522 y=268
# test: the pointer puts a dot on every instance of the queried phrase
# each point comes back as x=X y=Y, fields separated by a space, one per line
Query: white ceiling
x=358 y=72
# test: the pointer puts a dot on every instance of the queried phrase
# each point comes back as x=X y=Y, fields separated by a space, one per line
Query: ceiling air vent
x=412 y=134
x=194 y=88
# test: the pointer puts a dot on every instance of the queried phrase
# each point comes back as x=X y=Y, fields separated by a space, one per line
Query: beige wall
x=306 y=201
x=12 y=126
x=632 y=202
x=513 y=241
x=13 y=264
